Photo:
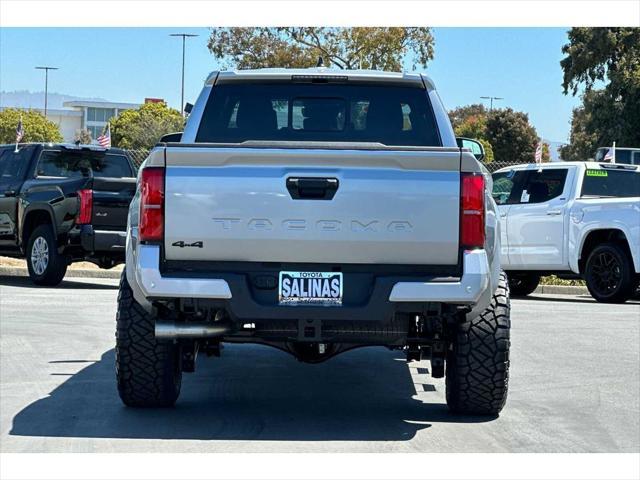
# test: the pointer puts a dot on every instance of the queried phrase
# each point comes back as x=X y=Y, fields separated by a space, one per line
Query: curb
x=562 y=290
x=23 y=272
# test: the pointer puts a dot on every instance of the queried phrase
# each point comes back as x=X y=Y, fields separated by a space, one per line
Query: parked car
x=315 y=211
x=628 y=156
x=571 y=218
x=62 y=203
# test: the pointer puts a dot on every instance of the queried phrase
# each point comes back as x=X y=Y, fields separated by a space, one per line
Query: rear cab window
x=391 y=114
x=606 y=182
x=69 y=164
x=623 y=156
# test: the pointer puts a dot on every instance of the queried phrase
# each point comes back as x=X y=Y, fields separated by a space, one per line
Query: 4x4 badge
x=182 y=244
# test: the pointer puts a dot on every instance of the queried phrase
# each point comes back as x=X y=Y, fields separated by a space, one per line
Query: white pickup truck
x=571 y=218
x=315 y=211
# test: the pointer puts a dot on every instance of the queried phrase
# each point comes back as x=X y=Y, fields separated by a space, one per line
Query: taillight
x=472 y=211
x=86 y=206
x=151 y=225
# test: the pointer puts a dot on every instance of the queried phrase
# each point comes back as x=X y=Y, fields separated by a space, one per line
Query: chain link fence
x=493 y=166
x=138 y=156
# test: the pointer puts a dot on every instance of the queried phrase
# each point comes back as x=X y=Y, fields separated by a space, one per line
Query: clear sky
x=129 y=64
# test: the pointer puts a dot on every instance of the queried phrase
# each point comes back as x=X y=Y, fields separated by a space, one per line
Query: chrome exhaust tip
x=170 y=330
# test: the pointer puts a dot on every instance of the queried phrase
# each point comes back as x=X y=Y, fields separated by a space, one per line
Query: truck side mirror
x=474 y=145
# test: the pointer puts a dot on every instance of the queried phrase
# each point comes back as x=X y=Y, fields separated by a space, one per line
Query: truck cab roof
x=319 y=74
x=589 y=165
x=66 y=146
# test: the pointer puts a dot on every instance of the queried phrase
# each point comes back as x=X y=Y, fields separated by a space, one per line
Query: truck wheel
x=46 y=266
x=522 y=284
x=149 y=372
x=477 y=375
x=609 y=274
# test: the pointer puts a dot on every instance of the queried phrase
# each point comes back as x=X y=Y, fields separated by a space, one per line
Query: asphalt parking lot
x=574 y=387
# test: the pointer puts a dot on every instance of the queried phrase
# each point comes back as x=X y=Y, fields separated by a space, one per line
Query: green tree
x=461 y=115
x=546 y=153
x=142 y=128
x=474 y=126
x=471 y=122
x=511 y=135
x=36 y=127
x=584 y=137
x=611 y=114
x=382 y=48
x=508 y=134
x=488 y=150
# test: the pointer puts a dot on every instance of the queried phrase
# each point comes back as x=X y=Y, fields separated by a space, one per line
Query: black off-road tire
x=56 y=264
x=149 y=372
x=523 y=284
x=621 y=267
x=477 y=364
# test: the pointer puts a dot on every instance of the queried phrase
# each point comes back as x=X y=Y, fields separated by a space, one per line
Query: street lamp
x=46 y=85
x=184 y=36
x=491 y=99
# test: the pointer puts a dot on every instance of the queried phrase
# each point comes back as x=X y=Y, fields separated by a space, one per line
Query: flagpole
x=613 y=158
x=19 y=136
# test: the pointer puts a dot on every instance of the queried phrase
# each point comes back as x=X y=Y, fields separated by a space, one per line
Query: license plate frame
x=307 y=286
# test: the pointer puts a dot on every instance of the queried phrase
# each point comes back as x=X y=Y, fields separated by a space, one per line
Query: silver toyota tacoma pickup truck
x=315 y=211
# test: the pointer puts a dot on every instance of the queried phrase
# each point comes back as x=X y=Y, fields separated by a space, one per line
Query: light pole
x=491 y=99
x=46 y=85
x=184 y=36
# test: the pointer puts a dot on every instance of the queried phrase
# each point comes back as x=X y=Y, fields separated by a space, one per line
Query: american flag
x=19 y=131
x=610 y=156
x=104 y=140
x=539 y=152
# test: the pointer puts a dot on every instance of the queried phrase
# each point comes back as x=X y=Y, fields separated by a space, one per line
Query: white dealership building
x=83 y=114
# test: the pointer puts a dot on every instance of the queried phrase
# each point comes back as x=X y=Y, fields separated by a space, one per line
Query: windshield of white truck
x=391 y=115
x=610 y=183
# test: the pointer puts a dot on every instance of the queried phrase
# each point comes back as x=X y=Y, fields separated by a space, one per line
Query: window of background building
x=100 y=114
x=95 y=131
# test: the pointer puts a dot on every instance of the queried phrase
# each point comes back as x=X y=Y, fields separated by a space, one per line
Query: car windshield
x=391 y=115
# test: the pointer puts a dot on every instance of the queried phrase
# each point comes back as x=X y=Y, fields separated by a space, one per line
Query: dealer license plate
x=315 y=288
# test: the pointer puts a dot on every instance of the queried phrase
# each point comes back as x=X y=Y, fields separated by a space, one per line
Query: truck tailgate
x=111 y=199
x=257 y=205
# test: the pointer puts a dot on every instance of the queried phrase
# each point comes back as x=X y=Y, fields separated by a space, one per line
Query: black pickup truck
x=63 y=203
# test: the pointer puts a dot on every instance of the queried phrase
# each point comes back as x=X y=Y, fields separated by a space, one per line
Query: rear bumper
x=93 y=240
x=387 y=291
x=154 y=285
x=467 y=291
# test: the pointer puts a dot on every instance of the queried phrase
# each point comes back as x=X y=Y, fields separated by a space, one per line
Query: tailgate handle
x=312 y=188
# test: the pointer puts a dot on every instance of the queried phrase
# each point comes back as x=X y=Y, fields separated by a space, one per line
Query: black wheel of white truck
x=609 y=274
x=149 y=372
x=522 y=284
x=45 y=265
x=477 y=365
